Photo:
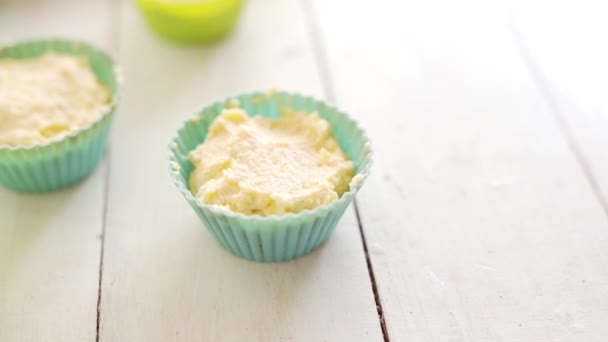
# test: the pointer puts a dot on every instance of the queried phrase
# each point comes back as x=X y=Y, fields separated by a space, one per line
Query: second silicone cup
x=269 y=238
x=57 y=164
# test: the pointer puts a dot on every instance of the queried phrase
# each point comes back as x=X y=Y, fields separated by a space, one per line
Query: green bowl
x=275 y=237
x=191 y=21
x=62 y=162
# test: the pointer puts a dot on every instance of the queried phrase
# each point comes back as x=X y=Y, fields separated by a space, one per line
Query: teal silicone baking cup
x=62 y=162
x=275 y=237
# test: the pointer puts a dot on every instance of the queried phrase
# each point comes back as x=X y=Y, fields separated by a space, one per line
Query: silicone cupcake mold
x=191 y=21
x=59 y=163
x=275 y=237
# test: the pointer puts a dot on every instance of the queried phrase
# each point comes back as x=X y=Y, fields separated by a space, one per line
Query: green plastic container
x=191 y=21
x=275 y=237
x=59 y=163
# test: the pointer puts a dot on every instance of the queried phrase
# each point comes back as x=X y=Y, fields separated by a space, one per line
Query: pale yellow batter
x=256 y=165
x=45 y=98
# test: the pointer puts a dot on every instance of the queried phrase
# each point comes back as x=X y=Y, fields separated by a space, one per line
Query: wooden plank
x=164 y=277
x=49 y=243
x=480 y=222
x=569 y=63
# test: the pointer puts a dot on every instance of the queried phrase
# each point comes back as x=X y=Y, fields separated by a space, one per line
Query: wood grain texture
x=480 y=222
x=567 y=56
x=50 y=243
x=164 y=277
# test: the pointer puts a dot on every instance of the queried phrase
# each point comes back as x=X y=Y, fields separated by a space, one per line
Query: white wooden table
x=485 y=217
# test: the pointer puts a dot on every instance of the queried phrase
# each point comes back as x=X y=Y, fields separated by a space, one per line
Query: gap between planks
x=104 y=210
x=327 y=84
x=113 y=45
x=566 y=131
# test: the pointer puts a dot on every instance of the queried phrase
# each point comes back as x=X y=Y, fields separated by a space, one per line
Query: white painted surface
x=164 y=277
x=50 y=244
x=568 y=50
x=480 y=222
